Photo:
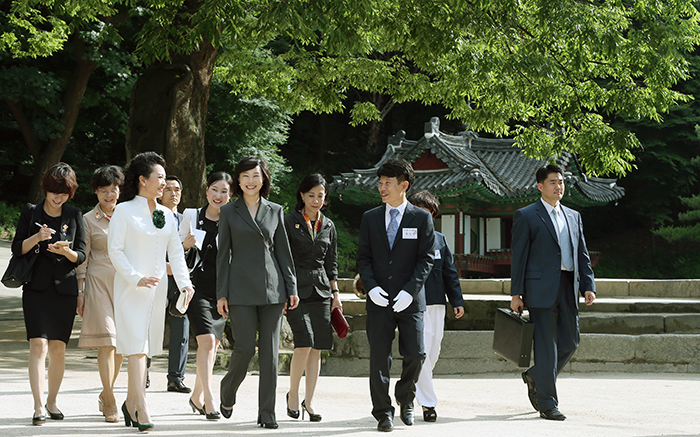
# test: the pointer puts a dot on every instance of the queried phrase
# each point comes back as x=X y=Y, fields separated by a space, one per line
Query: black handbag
x=512 y=336
x=19 y=270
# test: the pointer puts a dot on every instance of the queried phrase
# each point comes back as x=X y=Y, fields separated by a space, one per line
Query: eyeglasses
x=104 y=192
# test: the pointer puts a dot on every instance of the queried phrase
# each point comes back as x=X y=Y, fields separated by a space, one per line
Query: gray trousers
x=246 y=320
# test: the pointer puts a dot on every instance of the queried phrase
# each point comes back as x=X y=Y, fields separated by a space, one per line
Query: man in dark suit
x=394 y=258
x=550 y=265
x=179 y=326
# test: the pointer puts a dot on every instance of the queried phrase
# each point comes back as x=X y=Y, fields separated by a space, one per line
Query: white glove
x=402 y=301
x=379 y=296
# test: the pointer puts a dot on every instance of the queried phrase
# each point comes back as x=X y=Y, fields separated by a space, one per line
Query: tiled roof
x=495 y=164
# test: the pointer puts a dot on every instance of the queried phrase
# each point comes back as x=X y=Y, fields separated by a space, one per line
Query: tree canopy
x=551 y=73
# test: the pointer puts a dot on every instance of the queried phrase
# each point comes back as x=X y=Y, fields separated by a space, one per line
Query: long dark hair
x=141 y=165
x=306 y=184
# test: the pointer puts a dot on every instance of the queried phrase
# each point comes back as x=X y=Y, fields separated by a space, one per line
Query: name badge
x=437 y=254
x=410 y=233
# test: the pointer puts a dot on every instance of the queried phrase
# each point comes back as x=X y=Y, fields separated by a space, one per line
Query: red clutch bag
x=339 y=323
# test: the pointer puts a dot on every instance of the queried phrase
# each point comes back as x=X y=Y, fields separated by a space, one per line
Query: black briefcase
x=512 y=336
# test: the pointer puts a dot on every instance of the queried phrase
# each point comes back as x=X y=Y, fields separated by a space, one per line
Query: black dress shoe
x=225 y=412
x=407 y=413
x=386 y=424
x=178 y=386
x=38 y=420
x=268 y=425
x=531 y=390
x=552 y=414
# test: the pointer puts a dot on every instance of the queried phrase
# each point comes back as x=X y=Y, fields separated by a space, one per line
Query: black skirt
x=48 y=314
x=203 y=316
x=311 y=323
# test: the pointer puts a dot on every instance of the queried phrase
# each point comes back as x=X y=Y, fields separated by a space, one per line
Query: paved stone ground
x=597 y=404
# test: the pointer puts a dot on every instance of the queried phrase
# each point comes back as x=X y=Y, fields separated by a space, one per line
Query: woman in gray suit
x=255 y=283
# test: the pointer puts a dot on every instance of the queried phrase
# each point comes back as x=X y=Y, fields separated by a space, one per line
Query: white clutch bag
x=178 y=308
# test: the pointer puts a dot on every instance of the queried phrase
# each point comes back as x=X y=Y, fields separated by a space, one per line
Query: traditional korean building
x=480 y=183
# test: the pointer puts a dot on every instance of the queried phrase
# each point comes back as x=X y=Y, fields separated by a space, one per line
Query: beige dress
x=98 y=317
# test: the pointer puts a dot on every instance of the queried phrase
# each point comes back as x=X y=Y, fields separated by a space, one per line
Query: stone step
x=605 y=287
x=469 y=352
x=635 y=324
x=655 y=313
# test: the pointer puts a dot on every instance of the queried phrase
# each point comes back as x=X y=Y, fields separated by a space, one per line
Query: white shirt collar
x=550 y=208
x=401 y=208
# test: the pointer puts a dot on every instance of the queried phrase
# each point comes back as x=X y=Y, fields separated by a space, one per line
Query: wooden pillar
x=459 y=235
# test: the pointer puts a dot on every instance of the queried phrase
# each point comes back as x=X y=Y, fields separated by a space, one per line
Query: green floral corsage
x=158 y=219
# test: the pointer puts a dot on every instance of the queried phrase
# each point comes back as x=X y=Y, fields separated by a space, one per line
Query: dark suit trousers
x=179 y=342
x=244 y=321
x=381 y=326
x=556 y=338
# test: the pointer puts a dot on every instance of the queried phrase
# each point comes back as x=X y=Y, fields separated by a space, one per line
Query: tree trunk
x=49 y=155
x=375 y=125
x=168 y=115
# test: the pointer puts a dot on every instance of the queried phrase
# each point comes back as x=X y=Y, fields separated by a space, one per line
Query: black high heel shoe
x=54 y=416
x=214 y=415
x=143 y=426
x=312 y=417
x=196 y=409
x=127 y=417
x=294 y=414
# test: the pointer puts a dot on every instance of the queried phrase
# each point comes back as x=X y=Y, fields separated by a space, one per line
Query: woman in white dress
x=141 y=233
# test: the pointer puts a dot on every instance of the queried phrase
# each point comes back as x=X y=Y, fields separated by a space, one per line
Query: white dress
x=137 y=249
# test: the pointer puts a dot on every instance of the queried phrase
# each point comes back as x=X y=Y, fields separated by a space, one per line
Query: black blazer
x=405 y=266
x=443 y=279
x=49 y=266
x=315 y=260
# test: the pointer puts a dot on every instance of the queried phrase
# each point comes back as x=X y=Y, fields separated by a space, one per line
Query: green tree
x=49 y=56
x=238 y=127
x=551 y=73
x=690 y=231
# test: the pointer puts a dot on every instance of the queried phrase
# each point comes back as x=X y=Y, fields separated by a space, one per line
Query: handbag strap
x=201 y=213
x=35 y=218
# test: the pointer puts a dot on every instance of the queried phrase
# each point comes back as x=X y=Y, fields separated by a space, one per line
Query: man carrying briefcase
x=550 y=265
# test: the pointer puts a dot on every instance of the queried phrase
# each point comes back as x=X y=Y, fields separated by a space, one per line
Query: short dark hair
x=307 y=184
x=220 y=176
x=546 y=170
x=140 y=165
x=397 y=168
x=424 y=199
x=172 y=177
x=249 y=163
x=106 y=176
x=60 y=179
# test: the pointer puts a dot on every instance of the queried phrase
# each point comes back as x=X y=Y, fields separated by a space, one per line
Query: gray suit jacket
x=254 y=264
x=536 y=262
